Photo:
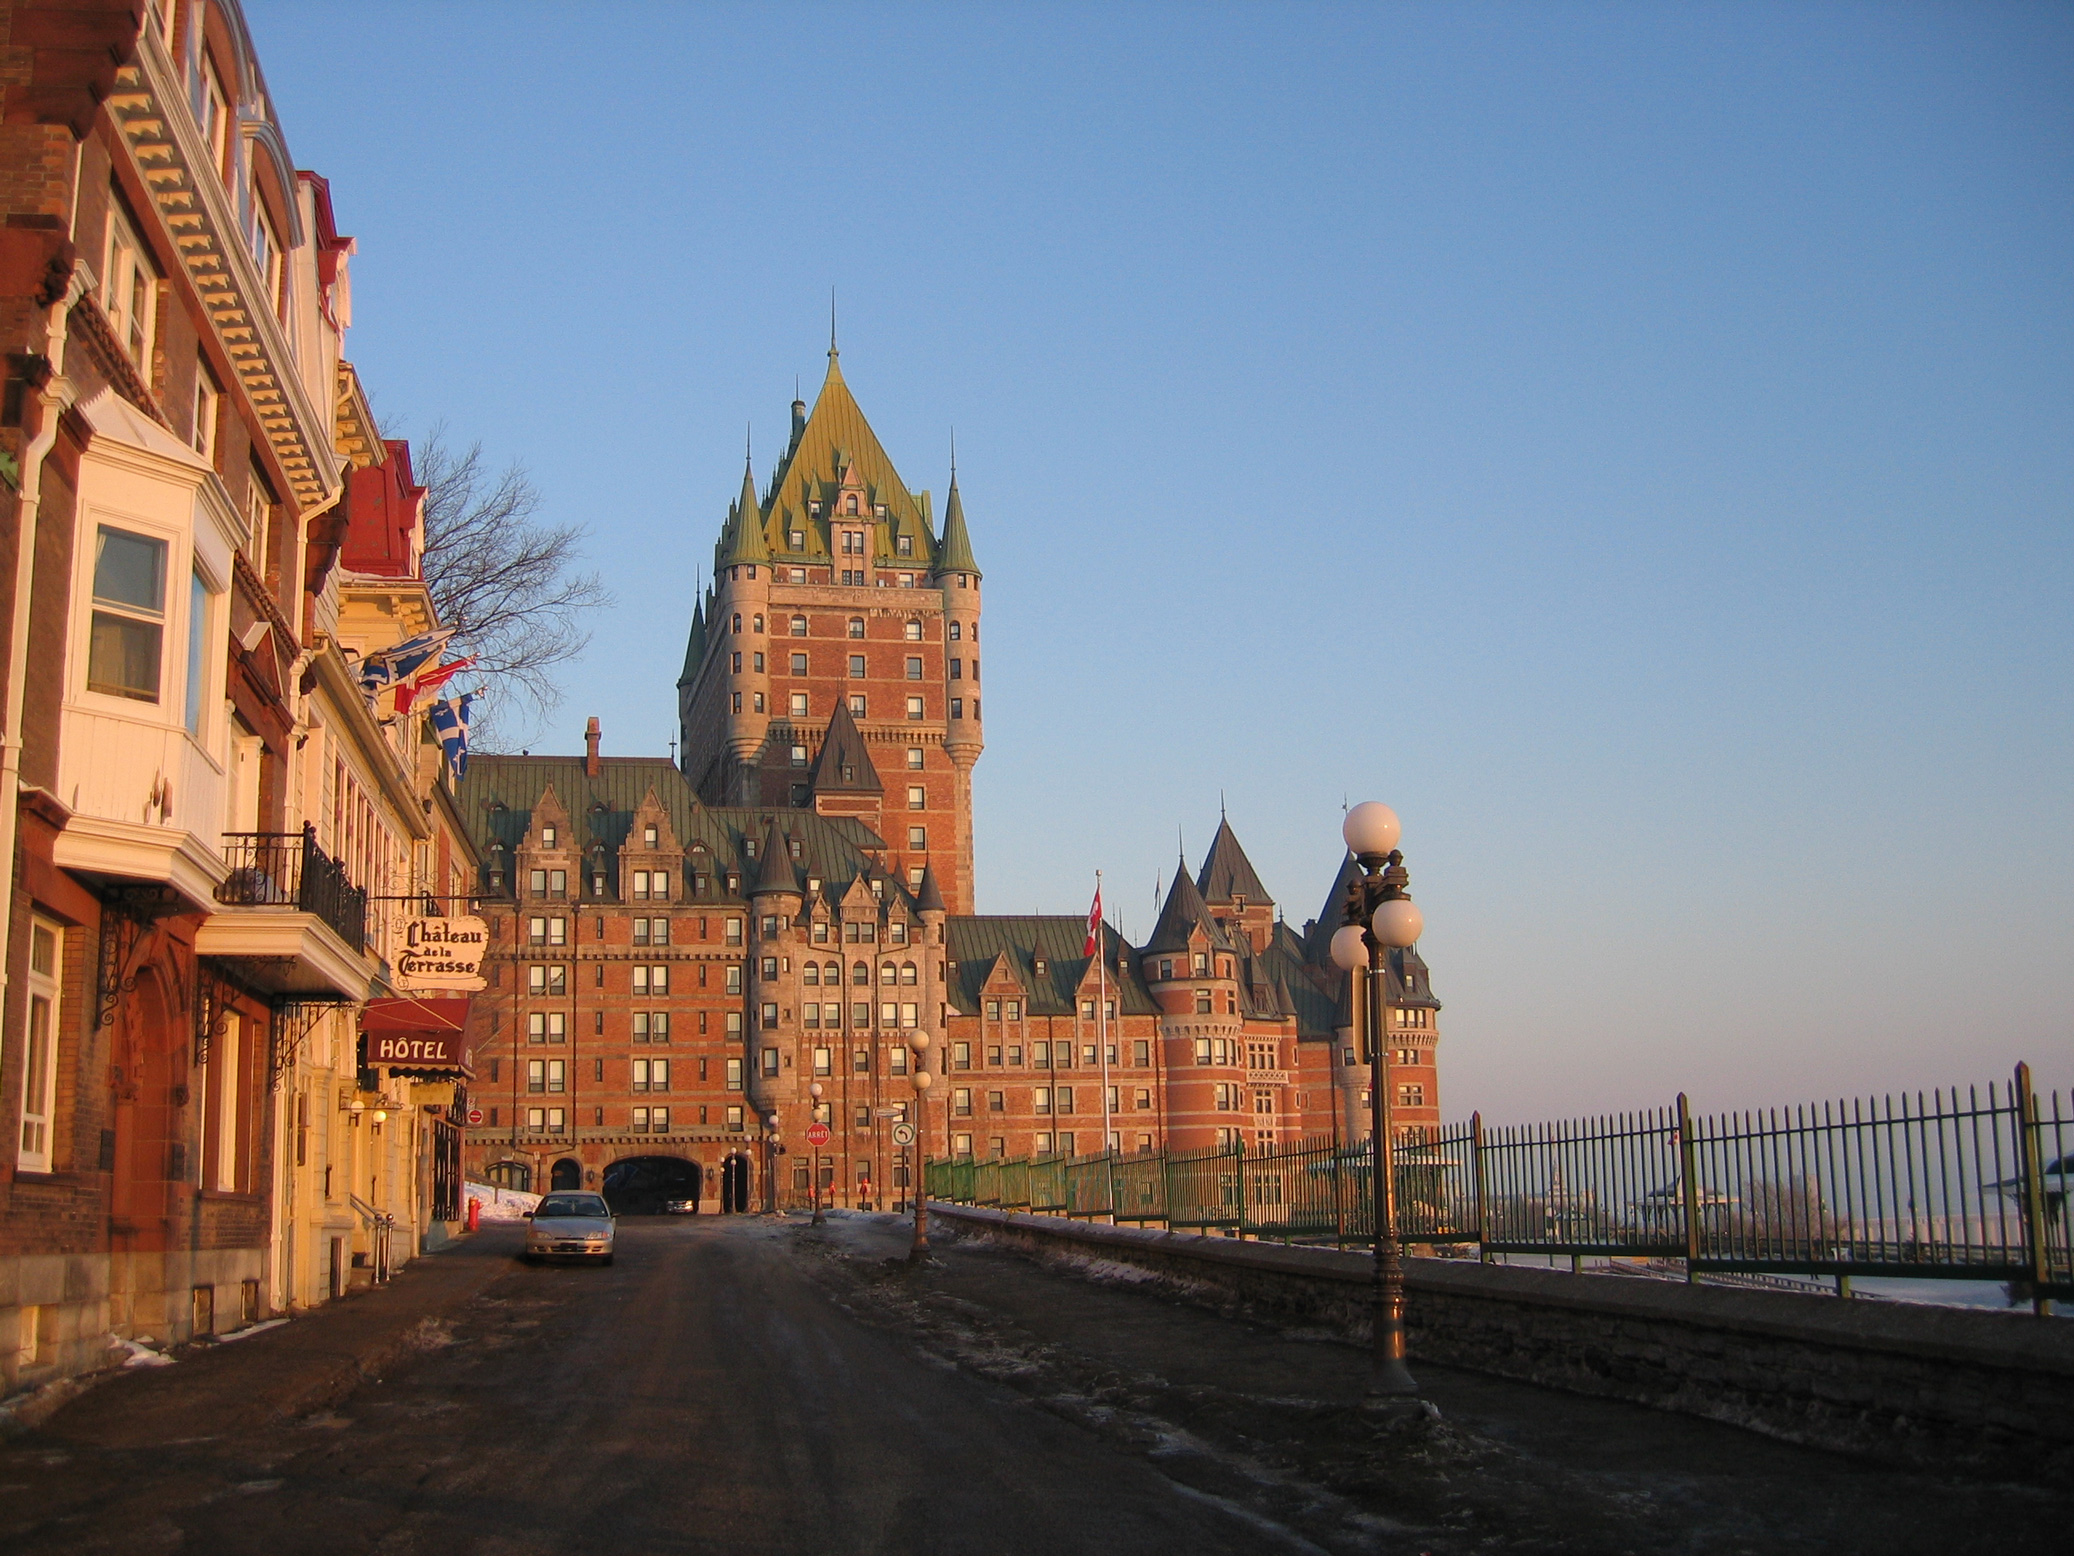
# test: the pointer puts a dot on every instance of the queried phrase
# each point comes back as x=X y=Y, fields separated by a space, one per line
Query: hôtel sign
x=439 y=953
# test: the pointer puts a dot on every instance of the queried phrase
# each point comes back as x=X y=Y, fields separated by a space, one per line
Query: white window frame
x=38 y=1137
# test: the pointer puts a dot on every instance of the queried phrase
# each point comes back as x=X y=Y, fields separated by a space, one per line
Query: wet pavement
x=756 y=1386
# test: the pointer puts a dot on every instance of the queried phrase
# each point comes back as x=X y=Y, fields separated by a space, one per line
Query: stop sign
x=817 y=1134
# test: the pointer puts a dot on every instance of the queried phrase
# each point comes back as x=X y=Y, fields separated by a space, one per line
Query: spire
x=929 y=896
x=745 y=535
x=832 y=353
x=844 y=766
x=955 y=554
x=776 y=872
x=1227 y=872
x=695 y=645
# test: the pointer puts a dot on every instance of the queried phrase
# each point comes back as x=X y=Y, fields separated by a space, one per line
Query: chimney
x=590 y=748
x=799 y=424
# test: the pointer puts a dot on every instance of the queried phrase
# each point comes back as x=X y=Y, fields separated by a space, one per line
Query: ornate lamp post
x=918 y=1250
x=1379 y=915
x=814 y=1157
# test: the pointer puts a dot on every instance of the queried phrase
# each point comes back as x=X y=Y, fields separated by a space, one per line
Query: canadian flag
x=426 y=681
x=1094 y=925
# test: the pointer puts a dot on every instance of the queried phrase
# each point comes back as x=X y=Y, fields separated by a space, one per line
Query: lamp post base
x=1390 y=1380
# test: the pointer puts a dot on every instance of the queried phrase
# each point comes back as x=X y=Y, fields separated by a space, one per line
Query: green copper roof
x=955 y=556
x=695 y=645
x=745 y=539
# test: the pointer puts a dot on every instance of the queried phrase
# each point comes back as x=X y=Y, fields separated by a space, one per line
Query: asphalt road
x=751 y=1386
x=705 y=1393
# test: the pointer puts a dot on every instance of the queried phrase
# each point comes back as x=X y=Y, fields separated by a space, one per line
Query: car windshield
x=572 y=1205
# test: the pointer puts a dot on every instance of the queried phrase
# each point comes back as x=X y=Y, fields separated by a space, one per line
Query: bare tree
x=506 y=584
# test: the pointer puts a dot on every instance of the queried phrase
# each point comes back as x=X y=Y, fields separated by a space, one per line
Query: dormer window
x=1043 y=967
x=878 y=510
x=796 y=540
x=850 y=504
x=547 y=837
x=749 y=847
x=905 y=545
x=795 y=847
x=648 y=837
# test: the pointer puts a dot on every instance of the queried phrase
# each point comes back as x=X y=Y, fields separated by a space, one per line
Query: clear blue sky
x=1632 y=441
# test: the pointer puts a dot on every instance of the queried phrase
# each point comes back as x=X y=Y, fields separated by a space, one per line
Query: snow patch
x=501 y=1204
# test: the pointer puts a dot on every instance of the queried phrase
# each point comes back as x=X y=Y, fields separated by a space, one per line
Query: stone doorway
x=653 y=1186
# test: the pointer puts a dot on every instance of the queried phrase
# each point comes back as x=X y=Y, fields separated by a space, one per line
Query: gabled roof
x=1227 y=872
x=974 y=944
x=844 y=765
x=1183 y=912
x=956 y=554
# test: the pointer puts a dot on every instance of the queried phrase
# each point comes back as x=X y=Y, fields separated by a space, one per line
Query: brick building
x=682 y=953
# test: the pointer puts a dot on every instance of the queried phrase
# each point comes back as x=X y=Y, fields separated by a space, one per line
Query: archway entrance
x=511 y=1175
x=568 y=1174
x=734 y=1184
x=651 y=1185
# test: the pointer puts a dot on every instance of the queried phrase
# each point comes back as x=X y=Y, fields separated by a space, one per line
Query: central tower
x=833 y=664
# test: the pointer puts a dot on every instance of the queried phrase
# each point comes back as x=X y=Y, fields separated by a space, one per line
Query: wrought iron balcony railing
x=289 y=870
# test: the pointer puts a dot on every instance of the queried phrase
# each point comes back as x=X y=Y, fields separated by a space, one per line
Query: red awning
x=417 y=1034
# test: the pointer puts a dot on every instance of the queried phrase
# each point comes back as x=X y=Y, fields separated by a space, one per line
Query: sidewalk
x=291 y=1370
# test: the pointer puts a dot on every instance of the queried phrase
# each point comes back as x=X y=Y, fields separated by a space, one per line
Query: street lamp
x=770 y=1163
x=1379 y=914
x=918 y=1250
x=814 y=1156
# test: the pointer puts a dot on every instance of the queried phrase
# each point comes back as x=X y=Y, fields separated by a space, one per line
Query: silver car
x=570 y=1226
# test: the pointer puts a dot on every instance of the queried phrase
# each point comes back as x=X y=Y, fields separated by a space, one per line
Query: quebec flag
x=450 y=724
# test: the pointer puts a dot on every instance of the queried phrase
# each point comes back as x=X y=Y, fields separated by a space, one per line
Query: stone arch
x=652 y=1183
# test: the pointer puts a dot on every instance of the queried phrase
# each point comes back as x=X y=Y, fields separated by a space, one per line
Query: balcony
x=291 y=917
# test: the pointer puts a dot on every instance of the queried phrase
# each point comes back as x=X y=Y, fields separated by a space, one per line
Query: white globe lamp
x=1371 y=829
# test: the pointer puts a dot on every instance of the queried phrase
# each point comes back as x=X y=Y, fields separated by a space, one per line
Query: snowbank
x=502 y=1204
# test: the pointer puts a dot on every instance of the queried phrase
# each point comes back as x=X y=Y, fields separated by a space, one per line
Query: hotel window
x=558 y=929
x=914 y=758
x=128 y=628
x=129 y=291
x=1065 y=1099
x=903 y=545
x=914 y=709
x=197 y=651
x=857 y=705
x=1041 y=1145
x=770 y=969
x=738 y=696
x=918 y=838
x=897 y=1062
x=824 y=1061
x=536 y=1118
x=993 y=1010
x=961 y=1102
x=1411 y=1096
x=756 y=701
x=214 y=116
x=961 y=1145
x=957 y=707
x=734 y=1115
x=552 y=980
x=208 y=400
x=1141 y=1098
x=1226 y=1094
x=1040 y=1099
x=266 y=254
x=758 y=657
x=735 y=665
x=1141 y=1051
x=961 y=1056
x=734 y=1075
x=651 y=1075
x=40 y=1060
x=914 y=667
x=1263 y=1102
x=810 y=1014
x=1202 y=1002
x=957 y=669
x=770 y=1015
x=799 y=664
x=799 y=711
x=547 y=1026
x=734 y=931
x=770 y=1061
x=557 y=1074
x=856 y=628
x=856 y=667
x=640 y=1121
x=796 y=540
x=957 y=632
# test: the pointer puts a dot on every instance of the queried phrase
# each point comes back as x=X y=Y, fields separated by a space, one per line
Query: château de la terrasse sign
x=439 y=953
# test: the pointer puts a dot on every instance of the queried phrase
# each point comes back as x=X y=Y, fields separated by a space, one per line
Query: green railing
x=1973 y=1185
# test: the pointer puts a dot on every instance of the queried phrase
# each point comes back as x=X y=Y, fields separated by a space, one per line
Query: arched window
x=738 y=621
x=914 y=629
x=813 y=975
x=888 y=973
x=856 y=626
x=957 y=631
x=799 y=626
x=850 y=504
x=860 y=973
x=907 y=973
x=759 y=623
x=832 y=975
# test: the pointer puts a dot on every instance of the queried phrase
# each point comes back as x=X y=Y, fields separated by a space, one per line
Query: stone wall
x=1945 y=1388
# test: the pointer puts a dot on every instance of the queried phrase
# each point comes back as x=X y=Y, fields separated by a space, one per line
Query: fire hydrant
x=474 y=1212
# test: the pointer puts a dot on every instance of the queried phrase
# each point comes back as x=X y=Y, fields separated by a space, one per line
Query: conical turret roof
x=695 y=645
x=955 y=555
x=1227 y=872
x=844 y=766
x=745 y=542
x=929 y=896
x=775 y=872
x=1184 y=911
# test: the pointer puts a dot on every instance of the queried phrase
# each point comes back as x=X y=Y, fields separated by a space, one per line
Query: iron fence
x=1969 y=1184
x=289 y=870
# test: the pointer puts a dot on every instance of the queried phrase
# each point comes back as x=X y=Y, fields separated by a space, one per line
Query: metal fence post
x=1688 y=1187
x=1166 y=1184
x=1483 y=1221
x=1239 y=1173
x=2035 y=1236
